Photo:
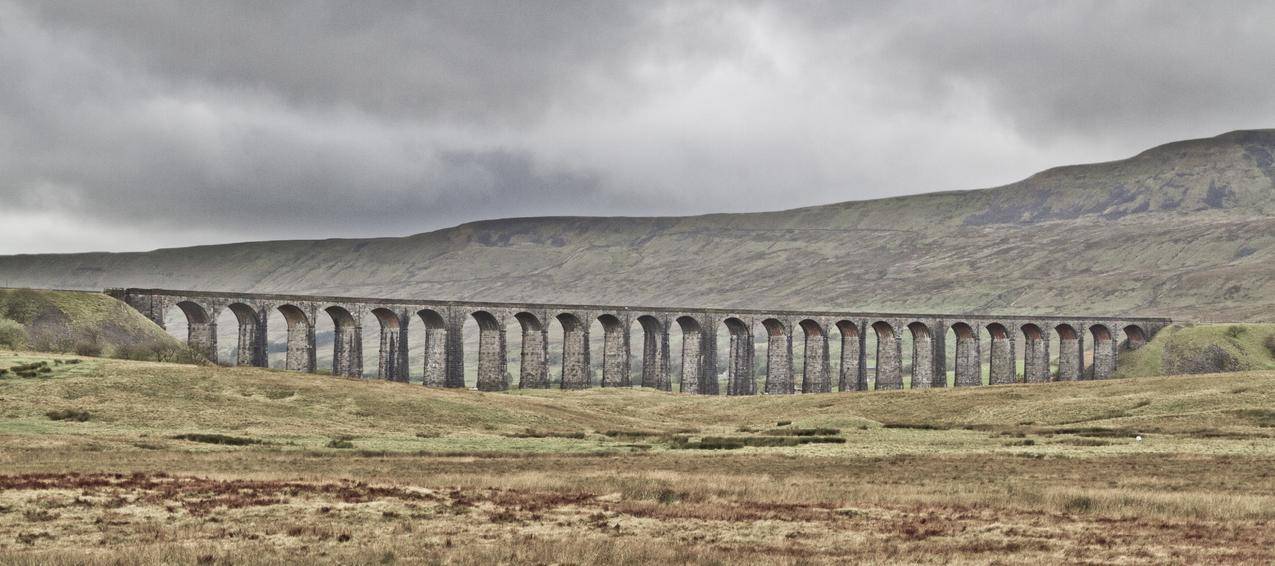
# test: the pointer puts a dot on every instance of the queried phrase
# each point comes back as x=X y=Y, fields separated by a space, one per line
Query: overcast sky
x=138 y=125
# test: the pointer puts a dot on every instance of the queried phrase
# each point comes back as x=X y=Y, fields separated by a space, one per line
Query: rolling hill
x=1185 y=229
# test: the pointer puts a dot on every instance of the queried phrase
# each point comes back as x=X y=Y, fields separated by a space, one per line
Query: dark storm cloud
x=129 y=125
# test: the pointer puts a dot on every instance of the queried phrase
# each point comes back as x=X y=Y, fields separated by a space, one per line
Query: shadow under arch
x=692 y=378
x=779 y=379
x=435 y=351
x=740 y=358
x=815 y=368
x=201 y=329
x=1071 y=352
x=968 y=367
x=655 y=355
x=1035 y=354
x=491 y=352
x=615 y=352
x=889 y=362
x=924 y=373
x=575 y=352
x=1104 y=352
x=1001 y=361
x=533 y=372
x=300 y=338
x=851 y=373
x=391 y=359
x=251 y=349
x=347 y=343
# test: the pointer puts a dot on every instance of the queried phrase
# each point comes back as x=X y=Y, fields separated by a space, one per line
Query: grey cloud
x=463 y=61
x=1091 y=68
x=270 y=119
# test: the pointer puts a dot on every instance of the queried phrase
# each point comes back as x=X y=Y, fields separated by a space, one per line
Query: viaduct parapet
x=1088 y=345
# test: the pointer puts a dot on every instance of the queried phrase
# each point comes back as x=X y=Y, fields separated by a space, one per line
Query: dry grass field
x=107 y=462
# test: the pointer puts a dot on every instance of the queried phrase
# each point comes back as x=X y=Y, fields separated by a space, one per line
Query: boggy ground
x=183 y=464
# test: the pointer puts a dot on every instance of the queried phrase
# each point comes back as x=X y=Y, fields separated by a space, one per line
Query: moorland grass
x=347 y=470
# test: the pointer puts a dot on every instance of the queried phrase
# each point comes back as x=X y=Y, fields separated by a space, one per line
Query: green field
x=109 y=461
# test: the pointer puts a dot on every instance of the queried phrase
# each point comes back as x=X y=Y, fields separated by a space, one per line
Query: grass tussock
x=736 y=442
x=74 y=415
x=212 y=438
x=531 y=433
x=802 y=431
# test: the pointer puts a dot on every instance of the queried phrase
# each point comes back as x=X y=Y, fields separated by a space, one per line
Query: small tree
x=12 y=335
x=22 y=305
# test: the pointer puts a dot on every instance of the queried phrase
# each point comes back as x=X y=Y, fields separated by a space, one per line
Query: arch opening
x=851 y=372
x=391 y=345
x=1035 y=354
x=655 y=354
x=1104 y=352
x=491 y=370
x=347 y=343
x=779 y=366
x=299 y=339
x=968 y=367
x=889 y=358
x=740 y=352
x=533 y=370
x=923 y=374
x=691 y=378
x=249 y=348
x=201 y=330
x=575 y=352
x=1134 y=337
x=615 y=352
x=816 y=374
x=433 y=348
x=1070 y=353
x=1001 y=362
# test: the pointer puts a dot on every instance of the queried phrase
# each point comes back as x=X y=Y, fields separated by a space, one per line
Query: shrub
x=732 y=443
x=342 y=442
x=158 y=352
x=22 y=305
x=918 y=426
x=91 y=348
x=208 y=438
x=1078 y=504
x=12 y=334
x=75 y=415
x=532 y=433
x=1235 y=331
x=802 y=431
x=1270 y=344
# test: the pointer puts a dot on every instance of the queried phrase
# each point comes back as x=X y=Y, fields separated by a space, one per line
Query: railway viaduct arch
x=1088 y=345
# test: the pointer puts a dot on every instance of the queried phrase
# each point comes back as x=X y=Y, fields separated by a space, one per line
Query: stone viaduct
x=444 y=361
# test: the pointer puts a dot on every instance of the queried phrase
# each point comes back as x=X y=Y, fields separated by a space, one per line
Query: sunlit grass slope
x=67 y=321
x=139 y=405
x=1204 y=348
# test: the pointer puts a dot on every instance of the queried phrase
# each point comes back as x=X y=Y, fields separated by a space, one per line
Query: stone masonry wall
x=444 y=342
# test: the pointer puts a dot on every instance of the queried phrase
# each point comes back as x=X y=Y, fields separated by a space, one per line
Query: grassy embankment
x=249 y=465
x=86 y=323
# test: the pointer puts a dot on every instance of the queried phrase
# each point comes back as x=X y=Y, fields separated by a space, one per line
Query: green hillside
x=1184 y=230
x=87 y=323
x=132 y=400
x=1206 y=348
